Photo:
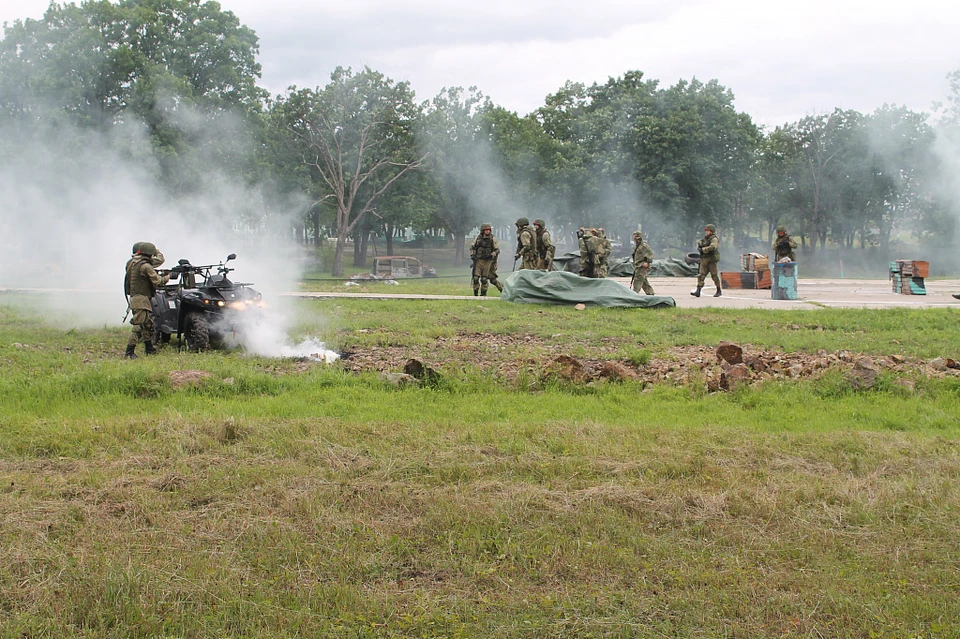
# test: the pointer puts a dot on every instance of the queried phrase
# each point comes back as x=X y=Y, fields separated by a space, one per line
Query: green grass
x=277 y=500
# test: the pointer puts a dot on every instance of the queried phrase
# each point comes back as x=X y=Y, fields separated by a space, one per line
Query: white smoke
x=73 y=202
x=265 y=333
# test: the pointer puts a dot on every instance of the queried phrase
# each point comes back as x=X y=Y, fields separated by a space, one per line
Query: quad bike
x=203 y=308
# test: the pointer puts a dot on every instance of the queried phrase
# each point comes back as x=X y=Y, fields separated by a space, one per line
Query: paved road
x=814 y=293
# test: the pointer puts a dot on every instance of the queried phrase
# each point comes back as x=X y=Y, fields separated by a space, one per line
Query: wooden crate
x=764 y=279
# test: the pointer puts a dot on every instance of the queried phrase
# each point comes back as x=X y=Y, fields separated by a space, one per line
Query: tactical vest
x=484 y=248
x=533 y=240
x=135 y=282
x=541 y=247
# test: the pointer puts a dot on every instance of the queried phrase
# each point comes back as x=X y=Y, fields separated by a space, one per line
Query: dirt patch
x=513 y=356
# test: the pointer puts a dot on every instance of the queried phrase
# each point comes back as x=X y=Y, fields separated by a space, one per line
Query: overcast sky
x=783 y=60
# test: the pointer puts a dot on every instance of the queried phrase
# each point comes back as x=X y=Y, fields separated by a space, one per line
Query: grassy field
x=283 y=498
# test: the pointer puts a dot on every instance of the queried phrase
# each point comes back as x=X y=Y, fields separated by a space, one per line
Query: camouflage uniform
x=783 y=245
x=709 y=246
x=527 y=245
x=140 y=283
x=594 y=248
x=586 y=265
x=545 y=247
x=484 y=252
x=642 y=256
x=603 y=253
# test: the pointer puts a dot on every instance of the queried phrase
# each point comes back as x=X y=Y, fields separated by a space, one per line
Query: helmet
x=540 y=223
x=523 y=221
x=145 y=248
x=781 y=229
x=711 y=228
x=485 y=227
x=637 y=234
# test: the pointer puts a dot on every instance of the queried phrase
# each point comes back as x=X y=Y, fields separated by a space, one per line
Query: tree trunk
x=360 y=248
x=458 y=246
x=389 y=236
x=337 y=269
x=315 y=218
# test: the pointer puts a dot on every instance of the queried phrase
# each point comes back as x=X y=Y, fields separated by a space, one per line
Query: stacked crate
x=906 y=276
x=754 y=273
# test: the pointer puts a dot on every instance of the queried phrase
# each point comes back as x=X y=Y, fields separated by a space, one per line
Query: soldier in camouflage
x=140 y=283
x=642 y=256
x=527 y=245
x=783 y=245
x=545 y=247
x=484 y=253
x=594 y=248
x=586 y=269
x=604 y=255
x=709 y=248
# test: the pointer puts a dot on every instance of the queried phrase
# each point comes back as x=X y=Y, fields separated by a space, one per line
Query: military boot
x=476 y=292
x=718 y=293
x=696 y=293
x=956 y=295
x=500 y=288
x=149 y=349
x=130 y=354
x=483 y=292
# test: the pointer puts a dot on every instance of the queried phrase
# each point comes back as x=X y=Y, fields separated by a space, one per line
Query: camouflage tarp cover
x=560 y=287
x=670 y=267
x=623 y=266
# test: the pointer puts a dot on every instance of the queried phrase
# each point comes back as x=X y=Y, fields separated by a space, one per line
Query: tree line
x=173 y=83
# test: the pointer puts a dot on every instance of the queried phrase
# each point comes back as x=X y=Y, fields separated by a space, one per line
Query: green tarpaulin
x=670 y=267
x=560 y=287
x=623 y=266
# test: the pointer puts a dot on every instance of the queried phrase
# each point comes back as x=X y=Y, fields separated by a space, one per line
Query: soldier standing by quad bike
x=139 y=285
x=484 y=253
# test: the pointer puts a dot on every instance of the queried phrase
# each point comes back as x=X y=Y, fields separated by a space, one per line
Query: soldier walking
x=527 y=245
x=642 y=256
x=709 y=248
x=139 y=284
x=545 y=247
x=484 y=253
x=783 y=245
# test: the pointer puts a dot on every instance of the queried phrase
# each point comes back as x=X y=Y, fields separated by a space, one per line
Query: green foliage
x=273 y=499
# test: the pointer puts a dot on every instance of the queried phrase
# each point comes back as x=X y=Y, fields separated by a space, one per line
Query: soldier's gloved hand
x=516 y=257
x=549 y=265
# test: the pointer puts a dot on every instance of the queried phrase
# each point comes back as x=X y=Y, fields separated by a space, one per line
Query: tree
x=469 y=175
x=184 y=69
x=356 y=138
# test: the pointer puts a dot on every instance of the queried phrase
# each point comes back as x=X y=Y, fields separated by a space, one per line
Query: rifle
x=633 y=277
x=127 y=314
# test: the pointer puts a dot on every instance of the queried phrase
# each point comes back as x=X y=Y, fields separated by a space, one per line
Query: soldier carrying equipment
x=527 y=250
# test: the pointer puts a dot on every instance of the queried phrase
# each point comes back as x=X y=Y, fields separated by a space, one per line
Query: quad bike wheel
x=197 y=332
